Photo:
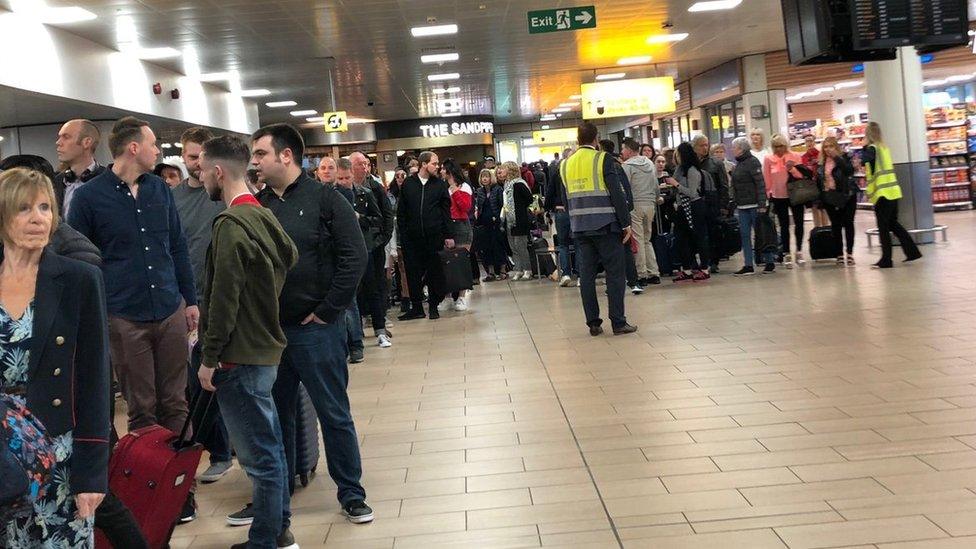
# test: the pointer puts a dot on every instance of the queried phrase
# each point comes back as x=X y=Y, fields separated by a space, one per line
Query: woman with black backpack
x=691 y=221
x=839 y=194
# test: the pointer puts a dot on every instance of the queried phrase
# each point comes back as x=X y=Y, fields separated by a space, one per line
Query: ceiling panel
x=289 y=47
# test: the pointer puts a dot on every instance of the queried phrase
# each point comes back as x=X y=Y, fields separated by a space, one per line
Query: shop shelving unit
x=950 y=147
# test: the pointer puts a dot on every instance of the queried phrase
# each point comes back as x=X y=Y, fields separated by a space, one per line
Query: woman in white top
x=757 y=137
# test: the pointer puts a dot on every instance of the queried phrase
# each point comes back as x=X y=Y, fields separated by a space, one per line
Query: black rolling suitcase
x=665 y=247
x=457 y=270
x=306 y=437
x=542 y=262
x=823 y=244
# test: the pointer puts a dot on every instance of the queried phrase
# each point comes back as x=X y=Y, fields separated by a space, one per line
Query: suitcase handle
x=182 y=441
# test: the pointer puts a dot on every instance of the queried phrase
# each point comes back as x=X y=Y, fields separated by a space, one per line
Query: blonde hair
x=873 y=134
x=760 y=132
x=491 y=176
x=779 y=141
x=829 y=141
x=21 y=186
x=512 y=170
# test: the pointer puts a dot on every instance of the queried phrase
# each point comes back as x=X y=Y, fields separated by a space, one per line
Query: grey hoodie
x=642 y=175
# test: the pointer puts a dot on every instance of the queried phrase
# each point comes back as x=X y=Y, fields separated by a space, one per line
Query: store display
x=949 y=144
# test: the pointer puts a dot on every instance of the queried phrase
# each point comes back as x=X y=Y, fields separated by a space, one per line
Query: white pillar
x=756 y=93
x=895 y=102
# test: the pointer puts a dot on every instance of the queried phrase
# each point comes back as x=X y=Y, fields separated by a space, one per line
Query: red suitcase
x=152 y=471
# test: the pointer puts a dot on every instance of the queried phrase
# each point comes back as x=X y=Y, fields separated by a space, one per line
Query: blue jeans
x=568 y=264
x=748 y=217
x=244 y=395
x=354 y=327
x=316 y=356
x=216 y=442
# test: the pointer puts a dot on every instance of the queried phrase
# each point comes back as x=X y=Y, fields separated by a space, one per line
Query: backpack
x=707 y=183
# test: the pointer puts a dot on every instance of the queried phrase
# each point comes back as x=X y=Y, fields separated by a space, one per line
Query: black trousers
x=782 y=209
x=886 y=213
x=424 y=268
x=373 y=289
x=115 y=520
x=631 y=263
x=694 y=240
x=842 y=221
x=604 y=249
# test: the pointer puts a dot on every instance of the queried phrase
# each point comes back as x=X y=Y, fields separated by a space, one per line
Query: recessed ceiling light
x=562 y=109
x=278 y=104
x=545 y=126
x=260 y=92
x=214 y=76
x=307 y=112
x=360 y=121
x=150 y=54
x=611 y=76
x=439 y=57
x=444 y=76
x=665 y=38
x=178 y=145
x=62 y=16
x=639 y=60
x=576 y=97
x=574 y=104
x=315 y=119
x=714 y=5
x=442 y=91
x=166 y=146
x=434 y=30
x=849 y=84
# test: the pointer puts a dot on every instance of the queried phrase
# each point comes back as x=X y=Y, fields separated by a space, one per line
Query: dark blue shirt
x=144 y=253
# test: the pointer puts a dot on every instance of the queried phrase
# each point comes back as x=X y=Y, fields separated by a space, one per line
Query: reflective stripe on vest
x=588 y=201
x=882 y=183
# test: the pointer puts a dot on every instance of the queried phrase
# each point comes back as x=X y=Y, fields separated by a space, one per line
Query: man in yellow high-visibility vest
x=600 y=220
x=884 y=192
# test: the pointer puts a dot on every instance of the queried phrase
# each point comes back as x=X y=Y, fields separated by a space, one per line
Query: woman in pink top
x=777 y=168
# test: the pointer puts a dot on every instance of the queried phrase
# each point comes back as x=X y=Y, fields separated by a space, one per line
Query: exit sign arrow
x=562 y=19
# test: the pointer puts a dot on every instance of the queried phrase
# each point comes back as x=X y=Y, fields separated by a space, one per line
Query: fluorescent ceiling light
x=360 y=121
x=931 y=83
x=445 y=76
x=611 y=76
x=545 y=126
x=547 y=118
x=865 y=96
x=451 y=114
x=277 y=104
x=442 y=91
x=260 y=92
x=166 y=146
x=665 y=38
x=315 y=119
x=849 y=84
x=434 y=30
x=62 y=16
x=959 y=78
x=307 y=112
x=574 y=104
x=562 y=109
x=150 y=54
x=178 y=145
x=826 y=89
x=639 y=60
x=576 y=97
x=215 y=76
x=714 y=5
x=439 y=57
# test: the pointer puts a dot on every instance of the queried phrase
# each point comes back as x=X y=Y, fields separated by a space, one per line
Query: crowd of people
x=238 y=272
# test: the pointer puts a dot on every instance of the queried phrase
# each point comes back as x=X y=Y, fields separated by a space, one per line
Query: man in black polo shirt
x=317 y=292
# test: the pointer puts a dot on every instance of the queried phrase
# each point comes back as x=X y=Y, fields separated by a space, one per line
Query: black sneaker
x=624 y=330
x=356 y=356
x=244 y=517
x=286 y=540
x=413 y=314
x=596 y=330
x=745 y=271
x=434 y=313
x=357 y=512
x=713 y=269
x=654 y=280
x=189 y=512
x=770 y=268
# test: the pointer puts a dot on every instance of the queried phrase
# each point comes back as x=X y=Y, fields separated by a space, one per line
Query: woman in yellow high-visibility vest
x=883 y=191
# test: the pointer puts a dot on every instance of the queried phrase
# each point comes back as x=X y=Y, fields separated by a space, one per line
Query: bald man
x=326 y=172
x=76 y=144
x=373 y=295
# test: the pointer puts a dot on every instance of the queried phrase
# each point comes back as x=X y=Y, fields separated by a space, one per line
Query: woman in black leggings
x=837 y=178
x=778 y=168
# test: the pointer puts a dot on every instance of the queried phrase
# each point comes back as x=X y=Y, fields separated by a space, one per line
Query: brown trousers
x=150 y=363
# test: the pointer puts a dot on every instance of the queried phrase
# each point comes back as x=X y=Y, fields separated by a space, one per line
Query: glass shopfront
x=725 y=122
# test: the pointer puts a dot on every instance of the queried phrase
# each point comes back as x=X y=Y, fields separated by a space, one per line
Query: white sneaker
x=383 y=341
x=565 y=281
x=788 y=261
x=461 y=304
x=799 y=258
x=526 y=275
x=637 y=290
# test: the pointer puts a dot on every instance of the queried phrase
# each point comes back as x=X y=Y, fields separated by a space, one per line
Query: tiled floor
x=820 y=407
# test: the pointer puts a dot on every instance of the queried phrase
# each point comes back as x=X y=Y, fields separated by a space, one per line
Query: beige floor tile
x=770 y=521
x=888 y=505
x=861 y=469
x=838 y=534
x=646 y=532
x=952 y=460
x=895 y=449
x=579 y=538
x=749 y=539
x=464 y=502
x=528 y=479
x=954 y=543
x=674 y=503
x=814 y=491
x=654 y=468
x=735 y=479
x=535 y=514
x=777 y=459
x=469 y=537
x=460 y=470
x=395 y=526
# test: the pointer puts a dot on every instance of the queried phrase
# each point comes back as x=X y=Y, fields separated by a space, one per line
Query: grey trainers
x=215 y=472
x=244 y=517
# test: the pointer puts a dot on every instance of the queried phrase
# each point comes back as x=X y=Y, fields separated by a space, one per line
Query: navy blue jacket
x=145 y=258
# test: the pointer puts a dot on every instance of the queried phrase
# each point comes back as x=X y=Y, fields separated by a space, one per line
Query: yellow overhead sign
x=559 y=135
x=336 y=121
x=634 y=97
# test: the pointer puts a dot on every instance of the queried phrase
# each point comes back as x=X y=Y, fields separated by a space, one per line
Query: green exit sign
x=562 y=19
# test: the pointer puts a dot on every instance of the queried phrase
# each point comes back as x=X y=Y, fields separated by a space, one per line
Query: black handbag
x=802 y=191
x=766 y=239
x=836 y=199
x=456 y=264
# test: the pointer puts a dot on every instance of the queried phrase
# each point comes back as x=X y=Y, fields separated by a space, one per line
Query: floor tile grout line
x=569 y=423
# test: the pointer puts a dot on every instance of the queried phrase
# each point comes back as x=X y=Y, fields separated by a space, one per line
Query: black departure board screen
x=894 y=23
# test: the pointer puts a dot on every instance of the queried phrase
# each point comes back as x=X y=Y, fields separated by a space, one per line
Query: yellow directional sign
x=336 y=121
